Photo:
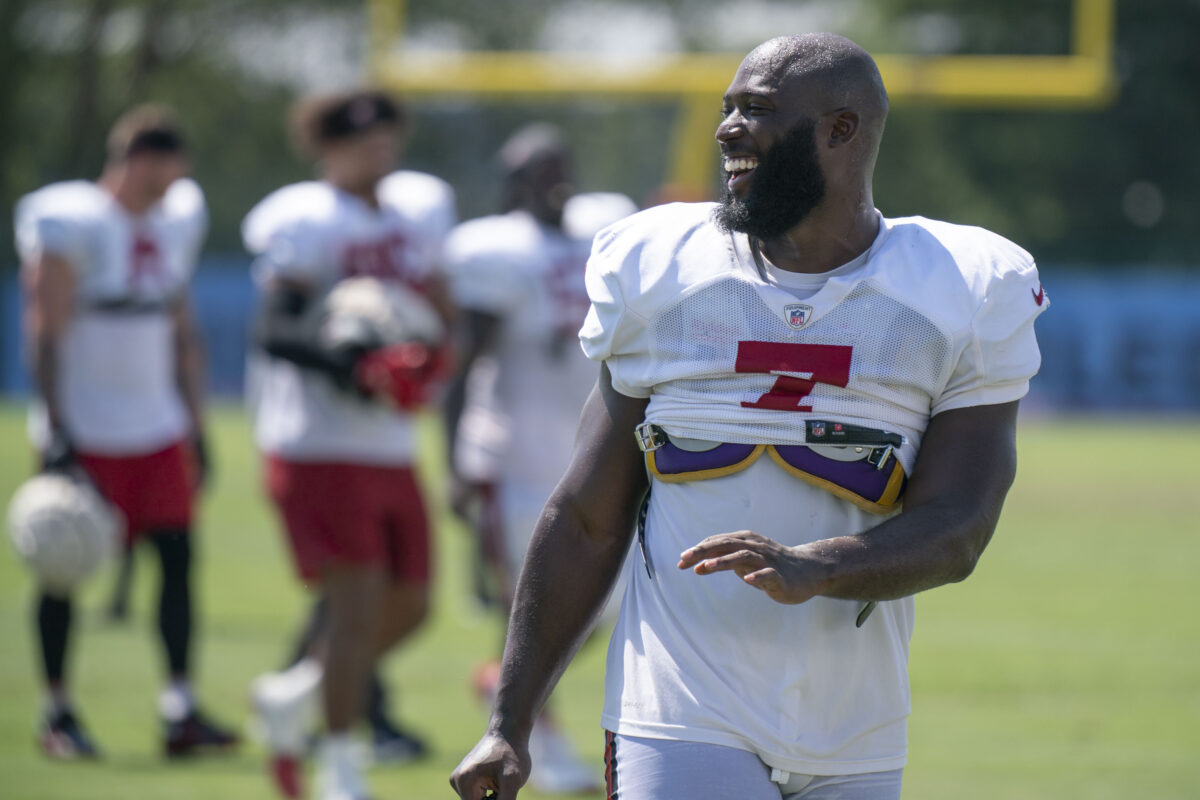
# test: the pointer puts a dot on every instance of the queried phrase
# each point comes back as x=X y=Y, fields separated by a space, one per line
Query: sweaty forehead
x=769 y=71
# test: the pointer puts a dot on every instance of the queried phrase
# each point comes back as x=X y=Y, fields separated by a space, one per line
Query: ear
x=843 y=127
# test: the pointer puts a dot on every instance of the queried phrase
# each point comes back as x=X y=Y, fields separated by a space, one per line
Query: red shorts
x=351 y=513
x=153 y=491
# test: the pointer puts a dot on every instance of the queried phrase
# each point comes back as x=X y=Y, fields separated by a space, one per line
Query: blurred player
x=118 y=369
x=792 y=366
x=390 y=742
x=339 y=466
x=512 y=412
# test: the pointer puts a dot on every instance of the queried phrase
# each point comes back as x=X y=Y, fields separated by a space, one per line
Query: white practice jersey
x=117 y=379
x=525 y=395
x=316 y=235
x=933 y=317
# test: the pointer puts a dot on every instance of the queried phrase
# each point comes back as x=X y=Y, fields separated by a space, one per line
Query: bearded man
x=813 y=407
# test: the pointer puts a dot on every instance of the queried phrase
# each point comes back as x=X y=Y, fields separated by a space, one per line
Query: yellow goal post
x=1082 y=78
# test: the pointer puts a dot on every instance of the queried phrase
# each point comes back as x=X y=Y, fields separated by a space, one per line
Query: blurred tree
x=1115 y=185
x=83 y=121
x=68 y=69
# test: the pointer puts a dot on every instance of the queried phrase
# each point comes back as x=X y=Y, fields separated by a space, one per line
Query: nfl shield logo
x=818 y=429
x=797 y=314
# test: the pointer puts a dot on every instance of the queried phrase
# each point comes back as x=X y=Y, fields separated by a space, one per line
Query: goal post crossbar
x=1081 y=79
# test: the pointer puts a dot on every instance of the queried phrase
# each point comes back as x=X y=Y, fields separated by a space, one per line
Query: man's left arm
x=964 y=469
x=190 y=377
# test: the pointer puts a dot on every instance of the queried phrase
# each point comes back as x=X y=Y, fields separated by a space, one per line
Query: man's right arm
x=285 y=329
x=576 y=554
x=51 y=288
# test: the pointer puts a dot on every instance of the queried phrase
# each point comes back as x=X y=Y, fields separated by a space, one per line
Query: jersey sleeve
x=286 y=243
x=187 y=215
x=587 y=214
x=1001 y=354
x=484 y=274
x=290 y=254
x=429 y=205
x=42 y=227
x=184 y=203
x=442 y=214
x=613 y=332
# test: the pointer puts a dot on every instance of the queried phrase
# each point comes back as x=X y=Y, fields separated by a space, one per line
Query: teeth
x=740 y=164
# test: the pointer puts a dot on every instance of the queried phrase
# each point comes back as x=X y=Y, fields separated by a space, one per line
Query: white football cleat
x=340 y=765
x=556 y=768
x=286 y=706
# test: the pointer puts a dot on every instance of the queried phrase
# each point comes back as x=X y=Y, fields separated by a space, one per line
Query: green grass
x=1066 y=667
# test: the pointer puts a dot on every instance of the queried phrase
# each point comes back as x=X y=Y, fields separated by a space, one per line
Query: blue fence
x=1113 y=339
x=1128 y=340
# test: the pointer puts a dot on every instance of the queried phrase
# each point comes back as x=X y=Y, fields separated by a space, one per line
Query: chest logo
x=797 y=315
x=1039 y=296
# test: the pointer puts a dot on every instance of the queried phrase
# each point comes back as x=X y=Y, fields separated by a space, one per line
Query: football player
x=339 y=463
x=824 y=401
x=517 y=278
x=119 y=372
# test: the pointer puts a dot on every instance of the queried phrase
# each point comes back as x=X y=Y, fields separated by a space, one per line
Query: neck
x=363 y=191
x=128 y=195
x=834 y=233
x=552 y=219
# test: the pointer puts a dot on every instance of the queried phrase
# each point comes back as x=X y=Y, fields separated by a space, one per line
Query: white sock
x=339 y=765
x=56 y=702
x=304 y=674
x=336 y=749
x=176 y=701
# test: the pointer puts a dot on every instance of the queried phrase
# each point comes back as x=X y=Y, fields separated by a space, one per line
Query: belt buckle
x=650 y=437
x=879 y=456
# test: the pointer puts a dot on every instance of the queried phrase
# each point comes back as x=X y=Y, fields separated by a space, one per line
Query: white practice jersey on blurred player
x=524 y=396
x=933 y=317
x=116 y=375
x=316 y=235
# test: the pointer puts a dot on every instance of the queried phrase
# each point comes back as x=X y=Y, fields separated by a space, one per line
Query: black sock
x=377 y=702
x=175 y=597
x=118 y=604
x=54 y=626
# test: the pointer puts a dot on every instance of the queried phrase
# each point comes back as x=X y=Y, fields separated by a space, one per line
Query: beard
x=788 y=185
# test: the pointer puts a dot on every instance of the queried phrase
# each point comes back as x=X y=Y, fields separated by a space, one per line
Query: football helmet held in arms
x=62 y=529
x=399 y=333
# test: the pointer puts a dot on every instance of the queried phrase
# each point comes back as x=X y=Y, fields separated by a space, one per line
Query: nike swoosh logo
x=1039 y=296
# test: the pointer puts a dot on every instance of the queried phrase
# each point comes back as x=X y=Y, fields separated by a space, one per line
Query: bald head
x=832 y=65
x=538 y=141
x=537 y=172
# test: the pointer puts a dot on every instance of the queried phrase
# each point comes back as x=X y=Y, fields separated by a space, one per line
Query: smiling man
x=814 y=408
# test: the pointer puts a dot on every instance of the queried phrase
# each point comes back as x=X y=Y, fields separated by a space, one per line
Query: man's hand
x=59 y=455
x=202 y=460
x=786 y=574
x=403 y=375
x=493 y=769
x=465 y=495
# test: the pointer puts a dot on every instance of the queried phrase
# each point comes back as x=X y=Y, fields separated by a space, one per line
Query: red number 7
x=827 y=363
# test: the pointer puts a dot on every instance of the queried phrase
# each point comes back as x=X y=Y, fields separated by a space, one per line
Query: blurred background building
x=1069 y=126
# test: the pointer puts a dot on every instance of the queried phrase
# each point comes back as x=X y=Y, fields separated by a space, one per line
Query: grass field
x=1068 y=666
